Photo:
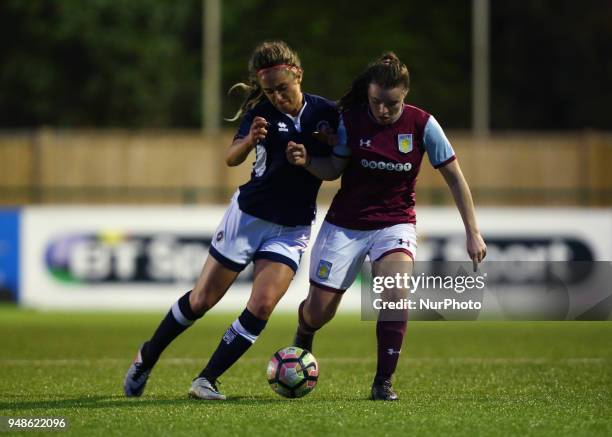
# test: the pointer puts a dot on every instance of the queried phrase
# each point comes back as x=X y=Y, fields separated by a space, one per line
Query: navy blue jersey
x=278 y=191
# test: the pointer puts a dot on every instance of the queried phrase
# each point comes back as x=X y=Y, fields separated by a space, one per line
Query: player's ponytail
x=387 y=71
x=268 y=54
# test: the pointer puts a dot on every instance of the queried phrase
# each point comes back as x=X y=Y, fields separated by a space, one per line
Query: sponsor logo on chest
x=385 y=165
x=282 y=127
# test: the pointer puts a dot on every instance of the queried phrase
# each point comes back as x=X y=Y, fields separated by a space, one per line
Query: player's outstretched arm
x=458 y=186
x=326 y=168
x=241 y=147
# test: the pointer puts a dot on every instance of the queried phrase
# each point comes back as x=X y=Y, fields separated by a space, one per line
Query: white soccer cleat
x=202 y=388
x=136 y=377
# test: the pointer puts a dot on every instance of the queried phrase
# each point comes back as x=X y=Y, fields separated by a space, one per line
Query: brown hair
x=267 y=54
x=387 y=71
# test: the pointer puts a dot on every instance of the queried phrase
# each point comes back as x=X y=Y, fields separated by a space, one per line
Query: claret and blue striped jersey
x=278 y=191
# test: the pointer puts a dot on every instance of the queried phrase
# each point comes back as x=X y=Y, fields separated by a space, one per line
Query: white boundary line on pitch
x=346 y=360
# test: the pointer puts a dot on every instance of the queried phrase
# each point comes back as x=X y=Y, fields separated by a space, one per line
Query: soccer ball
x=293 y=372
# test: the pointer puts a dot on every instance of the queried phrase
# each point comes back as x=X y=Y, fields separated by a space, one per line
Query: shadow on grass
x=96 y=402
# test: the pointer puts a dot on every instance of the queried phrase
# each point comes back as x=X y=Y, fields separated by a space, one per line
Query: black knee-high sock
x=239 y=337
x=179 y=318
x=304 y=335
x=390 y=336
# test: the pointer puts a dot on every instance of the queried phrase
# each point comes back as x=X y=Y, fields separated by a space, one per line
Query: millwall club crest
x=323 y=126
x=404 y=143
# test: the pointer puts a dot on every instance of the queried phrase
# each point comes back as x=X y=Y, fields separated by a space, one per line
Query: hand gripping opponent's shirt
x=377 y=188
x=278 y=191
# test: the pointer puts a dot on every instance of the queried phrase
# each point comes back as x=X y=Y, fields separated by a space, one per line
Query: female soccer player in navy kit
x=381 y=142
x=268 y=221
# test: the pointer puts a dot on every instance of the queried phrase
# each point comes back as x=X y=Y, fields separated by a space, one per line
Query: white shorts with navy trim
x=339 y=253
x=242 y=238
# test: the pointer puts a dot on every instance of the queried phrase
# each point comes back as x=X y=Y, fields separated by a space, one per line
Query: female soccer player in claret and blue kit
x=268 y=221
x=380 y=144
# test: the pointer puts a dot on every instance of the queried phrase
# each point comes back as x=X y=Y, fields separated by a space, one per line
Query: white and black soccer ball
x=293 y=372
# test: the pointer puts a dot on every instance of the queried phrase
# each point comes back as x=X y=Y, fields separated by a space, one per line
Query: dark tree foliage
x=137 y=63
x=551 y=64
x=99 y=63
x=337 y=39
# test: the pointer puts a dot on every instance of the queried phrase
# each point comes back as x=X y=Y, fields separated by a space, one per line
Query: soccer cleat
x=136 y=377
x=202 y=388
x=382 y=391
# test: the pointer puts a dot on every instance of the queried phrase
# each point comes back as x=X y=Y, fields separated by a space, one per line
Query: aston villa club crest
x=324 y=269
x=404 y=143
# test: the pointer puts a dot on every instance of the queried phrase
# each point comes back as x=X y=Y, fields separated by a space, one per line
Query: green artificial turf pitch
x=461 y=378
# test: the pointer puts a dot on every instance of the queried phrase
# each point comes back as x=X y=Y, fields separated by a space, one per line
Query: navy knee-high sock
x=238 y=338
x=390 y=336
x=179 y=318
